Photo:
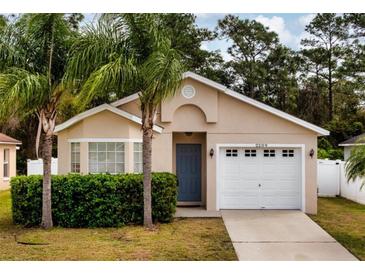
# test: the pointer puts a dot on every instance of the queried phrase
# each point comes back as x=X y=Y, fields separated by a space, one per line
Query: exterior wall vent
x=188 y=91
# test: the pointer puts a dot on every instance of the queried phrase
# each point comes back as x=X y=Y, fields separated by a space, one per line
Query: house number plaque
x=261 y=145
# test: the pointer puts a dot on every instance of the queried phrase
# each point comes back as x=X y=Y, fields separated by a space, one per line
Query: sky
x=289 y=26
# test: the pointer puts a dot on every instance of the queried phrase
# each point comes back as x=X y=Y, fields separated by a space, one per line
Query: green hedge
x=100 y=200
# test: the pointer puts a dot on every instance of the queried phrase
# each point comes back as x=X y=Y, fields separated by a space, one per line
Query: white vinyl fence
x=35 y=167
x=332 y=182
x=328 y=178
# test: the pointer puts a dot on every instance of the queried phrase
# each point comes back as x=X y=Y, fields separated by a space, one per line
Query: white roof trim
x=351 y=145
x=125 y=100
x=98 y=109
x=255 y=103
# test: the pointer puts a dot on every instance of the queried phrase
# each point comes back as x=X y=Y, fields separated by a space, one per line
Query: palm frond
x=22 y=91
x=50 y=38
x=116 y=75
x=99 y=44
x=9 y=48
x=162 y=72
x=124 y=52
x=355 y=164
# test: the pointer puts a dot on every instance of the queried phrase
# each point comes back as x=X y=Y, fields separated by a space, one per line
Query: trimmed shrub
x=98 y=200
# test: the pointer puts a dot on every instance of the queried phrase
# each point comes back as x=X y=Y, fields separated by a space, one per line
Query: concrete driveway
x=284 y=235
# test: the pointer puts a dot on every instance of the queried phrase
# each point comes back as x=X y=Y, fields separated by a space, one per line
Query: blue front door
x=188 y=171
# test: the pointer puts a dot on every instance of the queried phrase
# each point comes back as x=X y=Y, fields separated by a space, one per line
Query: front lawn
x=345 y=221
x=183 y=239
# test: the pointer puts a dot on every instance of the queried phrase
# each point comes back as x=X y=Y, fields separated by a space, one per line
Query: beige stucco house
x=8 y=148
x=228 y=151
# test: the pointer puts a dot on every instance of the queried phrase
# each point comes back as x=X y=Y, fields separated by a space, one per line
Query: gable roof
x=101 y=108
x=125 y=100
x=241 y=97
x=354 y=141
x=5 y=139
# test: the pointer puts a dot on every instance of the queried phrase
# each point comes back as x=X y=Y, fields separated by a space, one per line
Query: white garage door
x=260 y=178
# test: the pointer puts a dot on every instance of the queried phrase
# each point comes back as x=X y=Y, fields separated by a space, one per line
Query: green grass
x=345 y=221
x=183 y=239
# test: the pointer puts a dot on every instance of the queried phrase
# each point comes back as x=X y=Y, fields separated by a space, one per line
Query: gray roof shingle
x=359 y=139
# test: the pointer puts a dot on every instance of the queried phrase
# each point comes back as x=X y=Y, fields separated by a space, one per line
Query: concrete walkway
x=284 y=235
x=196 y=212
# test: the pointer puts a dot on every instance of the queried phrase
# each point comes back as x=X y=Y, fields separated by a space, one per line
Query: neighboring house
x=8 y=148
x=349 y=144
x=228 y=150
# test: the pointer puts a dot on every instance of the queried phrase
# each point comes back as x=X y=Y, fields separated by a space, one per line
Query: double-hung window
x=75 y=157
x=6 y=163
x=137 y=156
x=106 y=157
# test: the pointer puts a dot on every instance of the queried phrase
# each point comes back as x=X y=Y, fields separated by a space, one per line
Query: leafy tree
x=15 y=48
x=331 y=154
x=216 y=69
x=357 y=22
x=313 y=63
x=32 y=82
x=328 y=32
x=252 y=44
x=333 y=60
x=187 y=38
x=124 y=53
x=3 y=22
x=281 y=85
x=312 y=100
x=327 y=151
x=353 y=65
x=74 y=19
x=342 y=129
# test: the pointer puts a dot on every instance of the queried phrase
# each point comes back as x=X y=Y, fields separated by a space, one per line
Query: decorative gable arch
x=189 y=113
x=203 y=97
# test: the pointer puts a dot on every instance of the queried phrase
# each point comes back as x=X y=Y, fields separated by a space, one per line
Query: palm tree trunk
x=46 y=194
x=48 y=127
x=147 y=127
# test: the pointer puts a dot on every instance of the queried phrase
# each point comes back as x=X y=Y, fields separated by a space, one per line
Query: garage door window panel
x=231 y=153
x=288 y=153
x=250 y=152
x=269 y=152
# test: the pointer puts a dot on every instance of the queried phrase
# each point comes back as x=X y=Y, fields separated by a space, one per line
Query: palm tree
x=355 y=164
x=31 y=81
x=123 y=54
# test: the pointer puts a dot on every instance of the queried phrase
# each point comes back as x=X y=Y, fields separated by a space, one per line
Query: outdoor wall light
x=211 y=153
x=311 y=153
